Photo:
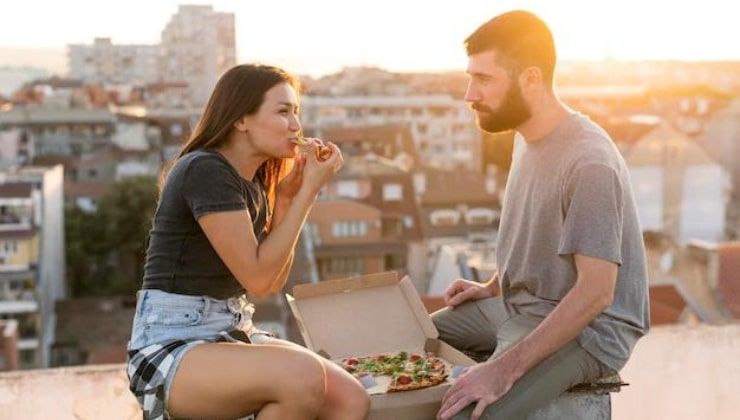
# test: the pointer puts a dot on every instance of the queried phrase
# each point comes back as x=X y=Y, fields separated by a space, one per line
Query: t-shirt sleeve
x=210 y=186
x=593 y=214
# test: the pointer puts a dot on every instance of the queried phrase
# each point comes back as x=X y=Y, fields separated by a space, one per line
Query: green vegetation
x=106 y=249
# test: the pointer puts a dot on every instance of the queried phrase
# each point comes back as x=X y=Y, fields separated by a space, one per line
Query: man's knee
x=467 y=412
x=451 y=323
x=442 y=319
x=465 y=328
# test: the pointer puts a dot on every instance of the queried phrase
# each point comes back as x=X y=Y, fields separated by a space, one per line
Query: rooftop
x=55 y=115
x=680 y=372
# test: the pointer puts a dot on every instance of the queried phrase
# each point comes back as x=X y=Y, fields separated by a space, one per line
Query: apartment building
x=443 y=128
x=32 y=266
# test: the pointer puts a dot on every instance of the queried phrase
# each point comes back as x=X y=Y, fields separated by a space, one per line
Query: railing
x=18 y=295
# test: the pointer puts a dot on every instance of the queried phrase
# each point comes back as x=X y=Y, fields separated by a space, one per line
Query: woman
x=227 y=223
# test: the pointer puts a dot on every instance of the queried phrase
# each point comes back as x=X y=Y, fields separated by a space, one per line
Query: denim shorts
x=166 y=326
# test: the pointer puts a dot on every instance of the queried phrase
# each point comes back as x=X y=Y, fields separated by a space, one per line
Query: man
x=571 y=262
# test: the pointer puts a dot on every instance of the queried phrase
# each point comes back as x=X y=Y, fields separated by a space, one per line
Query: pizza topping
x=323 y=153
x=403 y=379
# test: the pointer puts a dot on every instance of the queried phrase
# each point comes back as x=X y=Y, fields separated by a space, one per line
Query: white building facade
x=443 y=128
x=32 y=261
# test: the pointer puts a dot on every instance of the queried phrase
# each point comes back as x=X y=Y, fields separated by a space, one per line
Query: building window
x=345 y=229
x=445 y=217
x=10 y=247
x=392 y=192
x=394 y=262
x=480 y=216
x=348 y=189
x=347 y=265
x=27 y=358
x=408 y=222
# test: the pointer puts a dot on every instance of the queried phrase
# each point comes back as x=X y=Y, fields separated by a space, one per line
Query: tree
x=106 y=249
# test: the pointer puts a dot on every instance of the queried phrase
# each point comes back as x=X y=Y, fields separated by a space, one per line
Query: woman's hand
x=316 y=173
x=291 y=184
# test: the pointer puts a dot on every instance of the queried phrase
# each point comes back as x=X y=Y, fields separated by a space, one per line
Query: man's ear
x=530 y=79
x=242 y=124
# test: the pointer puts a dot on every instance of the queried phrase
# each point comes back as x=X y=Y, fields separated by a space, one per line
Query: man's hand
x=463 y=290
x=482 y=384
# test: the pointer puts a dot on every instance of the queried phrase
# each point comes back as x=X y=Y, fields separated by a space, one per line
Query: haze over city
x=320 y=37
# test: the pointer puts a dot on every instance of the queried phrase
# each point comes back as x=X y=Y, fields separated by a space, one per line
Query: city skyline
x=399 y=36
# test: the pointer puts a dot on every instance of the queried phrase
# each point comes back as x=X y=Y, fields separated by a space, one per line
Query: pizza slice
x=419 y=380
x=322 y=152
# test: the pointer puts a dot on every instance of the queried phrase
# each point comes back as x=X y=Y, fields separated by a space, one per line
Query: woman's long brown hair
x=239 y=92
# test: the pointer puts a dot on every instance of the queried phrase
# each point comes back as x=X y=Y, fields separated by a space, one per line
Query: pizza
x=322 y=152
x=406 y=371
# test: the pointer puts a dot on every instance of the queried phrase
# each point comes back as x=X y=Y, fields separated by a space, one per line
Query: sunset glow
x=322 y=36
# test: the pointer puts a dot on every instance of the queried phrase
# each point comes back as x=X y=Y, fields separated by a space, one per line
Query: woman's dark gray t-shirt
x=180 y=259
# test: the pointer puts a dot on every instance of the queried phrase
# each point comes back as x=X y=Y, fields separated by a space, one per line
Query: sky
x=322 y=36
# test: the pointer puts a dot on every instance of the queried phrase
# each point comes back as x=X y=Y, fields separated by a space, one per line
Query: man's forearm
x=579 y=307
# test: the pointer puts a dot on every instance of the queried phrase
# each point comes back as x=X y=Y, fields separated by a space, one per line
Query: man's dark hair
x=521 y=40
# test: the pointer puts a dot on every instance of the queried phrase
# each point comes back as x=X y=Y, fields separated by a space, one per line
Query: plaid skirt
x=166 y=326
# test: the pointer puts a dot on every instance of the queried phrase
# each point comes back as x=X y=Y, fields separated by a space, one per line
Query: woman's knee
x=306 y=383
x=358 y=402
x=346 y=395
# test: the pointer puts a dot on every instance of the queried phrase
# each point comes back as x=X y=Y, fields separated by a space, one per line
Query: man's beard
x=512 y=113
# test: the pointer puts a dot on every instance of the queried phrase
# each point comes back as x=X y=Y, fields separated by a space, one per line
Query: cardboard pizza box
x=368 y=315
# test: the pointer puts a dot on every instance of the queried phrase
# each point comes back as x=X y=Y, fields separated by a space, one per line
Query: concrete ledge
x=576 y=406
x=76 y=393
x=101 y=392
x=681 y=373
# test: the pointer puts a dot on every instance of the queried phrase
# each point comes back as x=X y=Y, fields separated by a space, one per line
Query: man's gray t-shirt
x=569 y=193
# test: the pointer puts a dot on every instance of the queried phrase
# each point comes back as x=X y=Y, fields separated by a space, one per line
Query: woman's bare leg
x=345 y=398
x=226 y=380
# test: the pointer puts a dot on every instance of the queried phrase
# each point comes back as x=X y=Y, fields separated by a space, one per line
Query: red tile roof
x=86 y=189
x=433 y=303
x=728 y=277
x=69 y=161
x=16 y=190
x=17 y=234
x=455 y=187
x=666 y=304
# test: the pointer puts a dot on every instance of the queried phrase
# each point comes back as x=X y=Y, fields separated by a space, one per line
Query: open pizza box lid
x=368 y=315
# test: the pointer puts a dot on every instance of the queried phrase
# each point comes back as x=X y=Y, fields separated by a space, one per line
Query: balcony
x=28 y=344
x=7 y=225
x=17 y=272
x=18 y=307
